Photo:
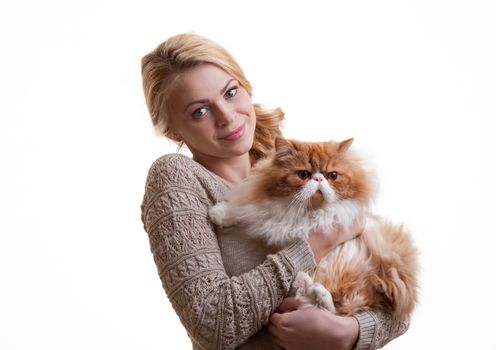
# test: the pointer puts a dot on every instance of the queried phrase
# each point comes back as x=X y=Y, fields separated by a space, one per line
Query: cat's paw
x=321 y=297
x=302 y=282
x=219 y=215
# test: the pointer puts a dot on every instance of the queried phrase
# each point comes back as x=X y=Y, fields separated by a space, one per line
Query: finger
x=273 y=330
x=276 y=334
x=291 y=304
x=276 y=319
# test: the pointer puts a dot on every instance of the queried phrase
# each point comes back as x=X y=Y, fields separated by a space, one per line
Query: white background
x=413 y=81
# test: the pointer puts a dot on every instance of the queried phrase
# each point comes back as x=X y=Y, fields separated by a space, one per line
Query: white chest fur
x=279 y=222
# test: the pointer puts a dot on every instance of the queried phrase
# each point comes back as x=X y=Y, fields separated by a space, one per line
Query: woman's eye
x=332 y=175
x=200 y=112
x=304 y=174
x=231 y=92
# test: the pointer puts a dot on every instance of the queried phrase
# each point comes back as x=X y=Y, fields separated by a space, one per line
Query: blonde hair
x=162 y=66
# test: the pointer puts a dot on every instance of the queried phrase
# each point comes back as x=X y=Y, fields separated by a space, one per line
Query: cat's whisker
x=293 y=208
x=309 y=205
x=297 y=199
x=293 y=204
x=300 y=207
x=294 y=201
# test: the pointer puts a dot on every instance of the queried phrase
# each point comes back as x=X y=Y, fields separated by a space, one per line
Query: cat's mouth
x=317 y=199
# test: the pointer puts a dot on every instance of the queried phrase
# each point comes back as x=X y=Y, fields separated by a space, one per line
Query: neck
x=233 y=169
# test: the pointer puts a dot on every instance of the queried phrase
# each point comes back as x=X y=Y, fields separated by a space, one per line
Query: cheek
x=302 y=189
x=295 y=182
x=283 y=186
x=198 y=133
x=309 y=188
x=344 y=187
x=329 y=191
x=328 y=187
x=244 y=104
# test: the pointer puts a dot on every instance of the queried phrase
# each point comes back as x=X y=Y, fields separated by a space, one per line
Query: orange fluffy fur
x=385 y=278
x=377 y=269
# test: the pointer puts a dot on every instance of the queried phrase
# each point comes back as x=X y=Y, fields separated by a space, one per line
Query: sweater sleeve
x=378 y=328
x=218 y=312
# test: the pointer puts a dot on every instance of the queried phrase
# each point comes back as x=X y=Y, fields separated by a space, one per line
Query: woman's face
x=212 y=113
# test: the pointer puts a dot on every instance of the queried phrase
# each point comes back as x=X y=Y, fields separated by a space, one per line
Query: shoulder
x=173 y=169
x=177 y=172
x=173 y=162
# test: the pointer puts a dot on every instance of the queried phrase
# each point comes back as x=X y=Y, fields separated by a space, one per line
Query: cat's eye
x=332 y=175
x=304 y=174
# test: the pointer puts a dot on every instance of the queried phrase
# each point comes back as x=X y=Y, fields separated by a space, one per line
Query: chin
x=246 y=145
x=241 y=146
x=240 y=150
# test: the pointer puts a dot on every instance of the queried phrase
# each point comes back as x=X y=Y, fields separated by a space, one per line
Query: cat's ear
x=284 y=149
x=344 y=145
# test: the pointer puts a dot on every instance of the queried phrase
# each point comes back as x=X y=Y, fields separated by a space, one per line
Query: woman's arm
x=377 y=328
x=298 y=326
x=217 y=311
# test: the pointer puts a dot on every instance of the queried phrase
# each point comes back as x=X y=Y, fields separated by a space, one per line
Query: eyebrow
x=206 y=100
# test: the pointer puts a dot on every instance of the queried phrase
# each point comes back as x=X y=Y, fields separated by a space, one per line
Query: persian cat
x=305 y=186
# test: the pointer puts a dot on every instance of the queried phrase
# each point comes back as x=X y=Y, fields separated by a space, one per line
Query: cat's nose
x=318 y=177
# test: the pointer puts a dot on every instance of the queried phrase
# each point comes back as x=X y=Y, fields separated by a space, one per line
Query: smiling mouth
x=236 y=134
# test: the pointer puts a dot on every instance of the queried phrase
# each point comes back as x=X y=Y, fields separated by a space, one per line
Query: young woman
x=225 y=291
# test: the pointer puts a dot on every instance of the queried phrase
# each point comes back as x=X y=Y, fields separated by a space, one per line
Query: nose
x=318 y=177
x=225 y=114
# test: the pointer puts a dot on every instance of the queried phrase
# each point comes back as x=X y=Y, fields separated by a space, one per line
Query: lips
x=236 y=134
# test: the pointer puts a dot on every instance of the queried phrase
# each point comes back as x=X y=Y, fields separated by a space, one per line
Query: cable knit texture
x=377 y=329
x=223 y=287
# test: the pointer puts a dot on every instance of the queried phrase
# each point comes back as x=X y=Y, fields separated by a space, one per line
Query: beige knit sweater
x=222 y=286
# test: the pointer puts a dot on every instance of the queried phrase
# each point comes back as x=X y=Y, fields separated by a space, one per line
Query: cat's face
x=315 y=173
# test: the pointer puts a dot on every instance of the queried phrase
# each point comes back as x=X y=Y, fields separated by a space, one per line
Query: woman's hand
x=322 y=242
x=299 y=326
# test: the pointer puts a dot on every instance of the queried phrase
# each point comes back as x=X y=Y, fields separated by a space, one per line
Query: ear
x=172 y=135
x=344 y=145
x=284 y=148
